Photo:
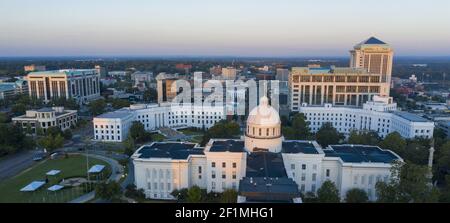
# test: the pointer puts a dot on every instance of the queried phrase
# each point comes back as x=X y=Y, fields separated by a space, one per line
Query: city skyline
x=231 y=28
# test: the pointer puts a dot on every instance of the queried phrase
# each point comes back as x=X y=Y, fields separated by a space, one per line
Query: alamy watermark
x=234 y=97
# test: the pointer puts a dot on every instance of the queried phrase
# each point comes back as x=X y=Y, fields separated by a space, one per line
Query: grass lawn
x=191 y=131
x=158 y=137
x=74 y=166
x=197 y=139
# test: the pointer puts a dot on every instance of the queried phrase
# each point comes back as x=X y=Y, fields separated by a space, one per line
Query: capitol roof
x=306 y=147
x=236 y=146
x=361 y=154
x=264 y=115
x=172 y=150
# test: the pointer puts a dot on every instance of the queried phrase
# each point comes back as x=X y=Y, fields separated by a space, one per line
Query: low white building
x=114 y=126
x=45 y=118
x=379 y=115
x=262 y=166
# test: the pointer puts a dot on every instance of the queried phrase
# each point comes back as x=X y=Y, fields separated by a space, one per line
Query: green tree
x=301 y=126
x=365 y=138
x=221 y=130
x=289 y=132
x=150 y=95
x=18 y=109
x=445 y=192
x=50 y=142
x=97 y=107
x=53 y=131
x=67 y=134
x=129 y=146
x=417 y=151
x=138 y=133
x=108 y=191
x=13 y=139
x=328 y=193
x=356 y=195
x=181 y=194
x=328 y=135
x=66 y=103
x=229 y=196
x=120 y=103
x=194 y=194
x=409 y=184
x=310 y=197
x=442 y=158
x=4 y=118
x=394 y=141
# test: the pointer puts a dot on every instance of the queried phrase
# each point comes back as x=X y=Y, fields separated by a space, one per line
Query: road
x=16 y=163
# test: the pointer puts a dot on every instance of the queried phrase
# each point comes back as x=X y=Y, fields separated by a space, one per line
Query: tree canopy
x=194 y=194
x=356 y=195
x=328 y=135
x=298 y=128
x=222 y=129
x=13 y=139
x=394 y=141
x=138 y=133
x=97 y=107
x=409 y=184
x=365 y=138
x=328 y=193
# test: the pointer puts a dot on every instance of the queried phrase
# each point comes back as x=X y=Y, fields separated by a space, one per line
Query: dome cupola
x=263 y=128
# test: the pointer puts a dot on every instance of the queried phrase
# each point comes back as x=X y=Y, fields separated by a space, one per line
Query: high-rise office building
x=369 y=74
x=375 y=56
x=229 y=73
x=337 y=86
x=81 y=84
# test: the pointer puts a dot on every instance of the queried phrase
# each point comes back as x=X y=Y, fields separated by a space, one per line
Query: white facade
x=154 y=116
x=379 y=115
x=47 y=117
x=214 y=171
x=162 y=167
x=80 y=84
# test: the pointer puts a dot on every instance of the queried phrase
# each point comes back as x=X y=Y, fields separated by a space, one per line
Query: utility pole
x=430 y=162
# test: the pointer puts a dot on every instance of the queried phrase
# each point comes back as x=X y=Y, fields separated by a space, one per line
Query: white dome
x=264 y=115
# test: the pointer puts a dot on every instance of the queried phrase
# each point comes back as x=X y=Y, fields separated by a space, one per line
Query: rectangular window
x=224 y=165
x=213 y=164
x=303 y=166
x=303 y=176
x=199 y=169
x=234 y=174
x=314 y=176
x=224 y=176
x=292 y=166
x=234 y=165
x=213 y=174
x=328 y=172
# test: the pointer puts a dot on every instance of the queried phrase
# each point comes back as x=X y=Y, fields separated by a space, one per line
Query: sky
x=266 y=28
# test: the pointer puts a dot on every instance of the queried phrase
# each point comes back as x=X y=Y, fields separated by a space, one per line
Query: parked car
x=38 y=156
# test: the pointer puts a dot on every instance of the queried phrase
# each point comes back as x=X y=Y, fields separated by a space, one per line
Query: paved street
x=16 y=163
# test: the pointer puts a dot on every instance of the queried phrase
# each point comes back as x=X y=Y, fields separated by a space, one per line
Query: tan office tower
x=376 y=57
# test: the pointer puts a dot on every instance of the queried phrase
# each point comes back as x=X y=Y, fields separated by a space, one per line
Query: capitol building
x=261 y=166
